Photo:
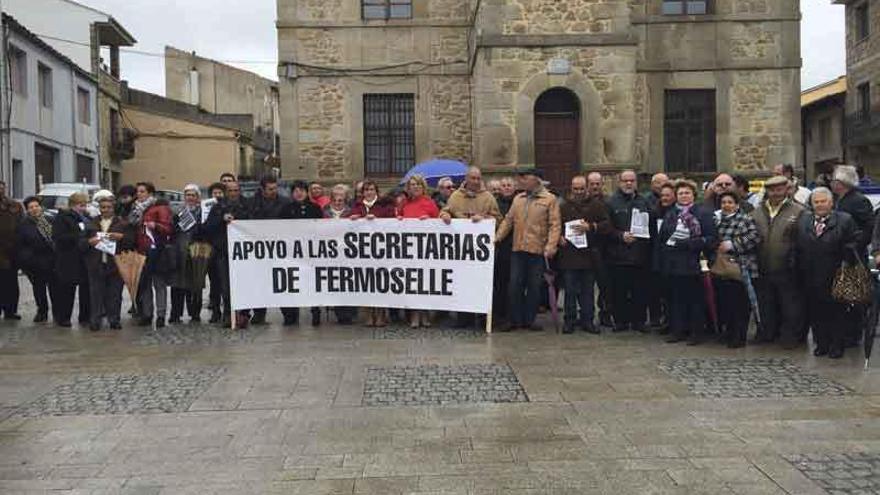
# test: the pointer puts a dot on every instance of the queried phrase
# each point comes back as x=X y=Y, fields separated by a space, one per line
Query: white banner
x=416 y=264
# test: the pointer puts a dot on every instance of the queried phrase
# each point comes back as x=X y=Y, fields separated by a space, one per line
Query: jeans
x=579 y=293
x=153 y=283
x=525 y=286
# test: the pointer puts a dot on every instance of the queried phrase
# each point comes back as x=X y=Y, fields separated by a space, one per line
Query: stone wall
x=450 y=118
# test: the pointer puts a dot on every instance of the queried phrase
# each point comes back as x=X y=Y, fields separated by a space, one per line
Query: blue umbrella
x=436 y=169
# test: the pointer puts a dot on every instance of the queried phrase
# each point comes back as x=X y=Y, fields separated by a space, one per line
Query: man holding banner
x=267 y=204
x=471 y=201
x=535 y=222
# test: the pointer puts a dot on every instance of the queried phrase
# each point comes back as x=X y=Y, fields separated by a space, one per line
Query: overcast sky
x=230 y=30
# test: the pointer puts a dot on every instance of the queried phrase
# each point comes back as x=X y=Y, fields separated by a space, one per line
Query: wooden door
x=557 y=137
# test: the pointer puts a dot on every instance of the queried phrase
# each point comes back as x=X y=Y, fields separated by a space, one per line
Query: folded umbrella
x=130 y=265
x=199 y=260
x=871 y=321
x=550 y=279
x=709 y=291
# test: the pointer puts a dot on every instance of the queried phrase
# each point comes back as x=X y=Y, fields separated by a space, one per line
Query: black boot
x=41 y=317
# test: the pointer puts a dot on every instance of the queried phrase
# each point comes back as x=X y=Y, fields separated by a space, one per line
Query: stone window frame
x=387 y=8
x=709 y=139
x=862 y=20
x=83 y=105
x=398 y=130
x=18 y=70
x=684 y=7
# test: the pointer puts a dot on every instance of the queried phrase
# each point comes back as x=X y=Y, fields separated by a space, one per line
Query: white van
x=54 y=196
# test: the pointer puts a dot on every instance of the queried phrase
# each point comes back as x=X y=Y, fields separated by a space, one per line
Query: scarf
x=369 y=204
x=43 y=227
x=689 y=220
x=137 y=212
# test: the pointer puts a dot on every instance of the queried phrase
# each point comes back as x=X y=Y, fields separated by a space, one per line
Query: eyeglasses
x=724 y=184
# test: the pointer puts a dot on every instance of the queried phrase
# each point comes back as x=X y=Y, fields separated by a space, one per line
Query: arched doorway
x=557 y=136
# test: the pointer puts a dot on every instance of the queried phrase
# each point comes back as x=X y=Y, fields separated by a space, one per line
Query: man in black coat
x=823 y=239
x=10 y=217
x=68 y=233
x=301 y=208
x=267 y=204
x=844 y=185
x=232 y=207
x=628 y=255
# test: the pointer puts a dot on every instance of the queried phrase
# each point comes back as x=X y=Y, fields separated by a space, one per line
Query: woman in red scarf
x=418 y=205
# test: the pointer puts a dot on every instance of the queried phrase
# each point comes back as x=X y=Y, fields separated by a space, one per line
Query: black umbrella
x=871 y=322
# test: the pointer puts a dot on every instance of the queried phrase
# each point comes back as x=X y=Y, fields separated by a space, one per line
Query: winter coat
x=68 y=234
x=593 y=211
x=620 y=208
x=817 y=259
x=93 y=257
x=465 y=203
x=180 y=278
x=683 y=259
x=741 y=231
x=419 y=207
x=535 y=222
x=10 y=216
x=302 y=210
x=382 y=208
x=215 y=225
x=658 y=214
x=777 y=237
x=862 y=212
x=35 y=254
x=160 y=214
x=263 y=209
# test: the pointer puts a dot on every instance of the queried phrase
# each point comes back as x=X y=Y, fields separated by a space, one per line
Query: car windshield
x=54 y=202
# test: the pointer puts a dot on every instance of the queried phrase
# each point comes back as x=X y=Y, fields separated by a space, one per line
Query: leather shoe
x=115 y=326
x=41 y=318
x=536 y=328
x=674 y=339
x=819 y=352
x=568 y=329
x=13 y=317
x=591 y=329
x=835 y=354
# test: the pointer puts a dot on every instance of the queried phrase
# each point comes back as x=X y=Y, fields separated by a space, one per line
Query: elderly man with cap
x=779 y=298
x=535 y=222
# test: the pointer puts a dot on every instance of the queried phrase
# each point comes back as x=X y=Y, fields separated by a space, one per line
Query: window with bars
x=689 y=130
x=685 y=7
x=386 y=9
x=863 y=100
x=389 y=134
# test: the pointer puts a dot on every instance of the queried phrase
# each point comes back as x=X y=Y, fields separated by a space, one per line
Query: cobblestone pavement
x=841 y=474
x=291 y=411
x=157 y=392
x=442 y=385
x=750 y=378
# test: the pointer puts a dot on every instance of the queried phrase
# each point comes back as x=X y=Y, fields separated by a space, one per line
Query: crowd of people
x=772 y=256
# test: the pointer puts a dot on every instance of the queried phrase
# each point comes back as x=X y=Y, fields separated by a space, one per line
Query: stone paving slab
x=157 y=392
x=433 y=333
x=841 y=474
x=750 y=378
x=441 y=385
x=199 y=334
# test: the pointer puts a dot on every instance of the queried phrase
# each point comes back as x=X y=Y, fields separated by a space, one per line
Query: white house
x=49 y=118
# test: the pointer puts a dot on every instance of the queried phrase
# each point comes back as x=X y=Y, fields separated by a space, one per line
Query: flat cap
x=532 y=171
x=776 y=180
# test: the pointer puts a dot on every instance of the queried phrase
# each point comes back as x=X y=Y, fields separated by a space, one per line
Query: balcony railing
x=863 y=128
x=122 y=144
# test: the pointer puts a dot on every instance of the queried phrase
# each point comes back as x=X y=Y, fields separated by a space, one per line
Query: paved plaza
x=353 y=410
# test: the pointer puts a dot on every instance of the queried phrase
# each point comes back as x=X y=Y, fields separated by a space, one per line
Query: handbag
x=852 y=283
x=725 y=267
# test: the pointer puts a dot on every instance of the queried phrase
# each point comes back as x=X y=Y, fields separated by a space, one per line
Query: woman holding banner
x=371 y=206
x=338 y=209
x=418 y=205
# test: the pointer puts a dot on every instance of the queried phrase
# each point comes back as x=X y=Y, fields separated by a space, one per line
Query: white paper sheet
x=577 y=240
x=640 y=224
x=105 y=244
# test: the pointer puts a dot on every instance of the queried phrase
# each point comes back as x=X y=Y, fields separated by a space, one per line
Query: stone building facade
x=823 y=117
x=562 y=85
x=863 y=83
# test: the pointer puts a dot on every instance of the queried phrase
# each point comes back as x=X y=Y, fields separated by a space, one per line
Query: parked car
x=55 y=195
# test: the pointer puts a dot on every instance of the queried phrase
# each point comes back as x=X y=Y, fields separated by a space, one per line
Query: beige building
x=177 y=143
x=369 y=87
x=823 y=117
x=863 y=83
x=222 y=89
